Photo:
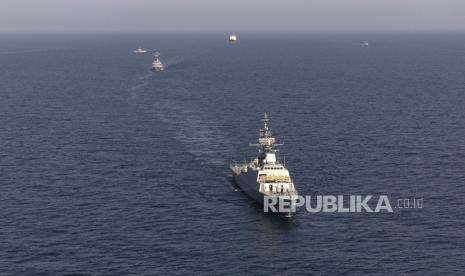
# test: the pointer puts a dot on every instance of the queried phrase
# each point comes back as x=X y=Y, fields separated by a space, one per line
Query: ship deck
x=237 y=168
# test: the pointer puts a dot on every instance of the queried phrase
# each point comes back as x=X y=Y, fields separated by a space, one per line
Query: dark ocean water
x=109 y=169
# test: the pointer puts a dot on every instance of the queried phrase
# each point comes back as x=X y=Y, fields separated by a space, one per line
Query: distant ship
x=265 y=175
x=232 y=38
x=366 y=44
x=140 y=50
x=157 y=66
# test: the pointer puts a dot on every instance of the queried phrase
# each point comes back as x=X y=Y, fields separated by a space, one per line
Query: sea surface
x=107 y=168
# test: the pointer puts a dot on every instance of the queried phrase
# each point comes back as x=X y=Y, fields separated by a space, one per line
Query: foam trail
x=141 y=82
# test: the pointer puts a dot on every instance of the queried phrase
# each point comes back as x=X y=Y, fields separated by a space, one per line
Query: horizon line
x=184 y=31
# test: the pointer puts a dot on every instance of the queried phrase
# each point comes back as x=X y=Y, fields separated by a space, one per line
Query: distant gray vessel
x=157 y=65
x=140 y=50
x=265 y=175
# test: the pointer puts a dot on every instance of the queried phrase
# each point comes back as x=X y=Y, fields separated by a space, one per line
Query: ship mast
x=266 y=143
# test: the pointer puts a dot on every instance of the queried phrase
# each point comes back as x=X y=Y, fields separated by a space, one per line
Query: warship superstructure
x=157 y=65
x=266 y=175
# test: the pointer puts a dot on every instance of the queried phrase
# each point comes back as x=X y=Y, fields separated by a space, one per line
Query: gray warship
x=265 y=175
x=157 y=66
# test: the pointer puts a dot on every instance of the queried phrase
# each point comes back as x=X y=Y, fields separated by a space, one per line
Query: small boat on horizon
x=232 y=38
x=140 y=50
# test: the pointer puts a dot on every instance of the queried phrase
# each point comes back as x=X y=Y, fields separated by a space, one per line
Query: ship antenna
x=266 y=130
x=266 y=142
x=265 y=117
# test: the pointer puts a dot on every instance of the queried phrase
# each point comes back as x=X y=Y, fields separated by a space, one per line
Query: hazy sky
x=231 y=15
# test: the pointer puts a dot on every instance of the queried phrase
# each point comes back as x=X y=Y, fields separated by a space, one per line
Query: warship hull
x=157 y=65
x=265 y=179
x=247 y=182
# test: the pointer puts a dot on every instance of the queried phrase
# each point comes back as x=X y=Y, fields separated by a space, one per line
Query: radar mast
x=266 y=142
